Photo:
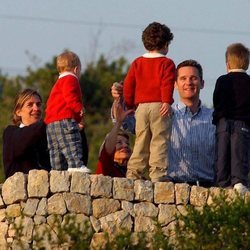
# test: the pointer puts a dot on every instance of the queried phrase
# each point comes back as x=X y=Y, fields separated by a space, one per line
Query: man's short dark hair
x=191 y=63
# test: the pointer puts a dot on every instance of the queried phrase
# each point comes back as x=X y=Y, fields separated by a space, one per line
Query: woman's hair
x=124 y=134
x=67 y=61
x=20 y=99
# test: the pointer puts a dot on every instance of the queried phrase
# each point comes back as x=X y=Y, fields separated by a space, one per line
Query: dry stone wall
x=107 y=204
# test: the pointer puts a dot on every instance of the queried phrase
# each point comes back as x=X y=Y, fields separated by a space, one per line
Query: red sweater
x=149 y=79
x=107 y=166
x=65 y=100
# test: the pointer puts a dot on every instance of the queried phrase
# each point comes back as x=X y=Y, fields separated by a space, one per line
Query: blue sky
x=32 y=32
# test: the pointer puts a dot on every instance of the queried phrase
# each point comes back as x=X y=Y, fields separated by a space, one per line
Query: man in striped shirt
x=192 y=145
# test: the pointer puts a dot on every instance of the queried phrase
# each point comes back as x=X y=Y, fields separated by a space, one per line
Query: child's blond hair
x=237 y=56
x=67 y=61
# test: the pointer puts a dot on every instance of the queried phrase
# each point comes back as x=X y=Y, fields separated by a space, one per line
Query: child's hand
x=81 y=125
x=165 y=109
x=82 y=112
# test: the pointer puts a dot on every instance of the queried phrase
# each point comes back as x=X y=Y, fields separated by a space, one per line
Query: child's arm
x=167 y=84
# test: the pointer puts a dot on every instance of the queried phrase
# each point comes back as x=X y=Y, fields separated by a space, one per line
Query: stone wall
x=108 y=204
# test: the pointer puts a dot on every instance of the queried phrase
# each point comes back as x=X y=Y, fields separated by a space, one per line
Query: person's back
x=231 y=116
x=64 y=112
x=148 y=87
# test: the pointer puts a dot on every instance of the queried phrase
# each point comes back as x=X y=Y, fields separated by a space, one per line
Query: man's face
x=122 y=150
x=188 y=83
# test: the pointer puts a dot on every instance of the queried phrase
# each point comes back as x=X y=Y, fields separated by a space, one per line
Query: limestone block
x=99 y=241
x=182 y=193
x=104 y=206
x=198 y=196
x=80 y=183
x=247 y=197
x=169 y=230
x=146 y=209
x=2 y=215
x=3 y=231
x=143 y=190
x=101 y=186
x=123 y=189
x=54 y=221
x=182 y=209
x=214 y=192
x=114 y=223
x=14 y=188
x=56 y=204
x=166 y=214
x=39 y=219
x=42 y=208
x=2 y=205
x=128 y=207
x=78 y=220
x=78 y=203
x=27 y=225
x=47 y=235
x=59 y=181
x=13 y=210
x=4 y=244
x=95 y=224
x=144 y=224
x=164 y=192
x=30 y=207
x=231 y=194
x=17 y=246
x=38 y=183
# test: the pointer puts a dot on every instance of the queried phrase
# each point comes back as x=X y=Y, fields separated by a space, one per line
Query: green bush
x=225 y=224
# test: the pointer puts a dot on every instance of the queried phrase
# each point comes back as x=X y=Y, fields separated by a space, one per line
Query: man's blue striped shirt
x=192 y=146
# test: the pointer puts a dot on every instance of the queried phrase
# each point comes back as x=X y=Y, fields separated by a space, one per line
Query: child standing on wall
x=64 y=115
x=148 y=87
x=231 y=116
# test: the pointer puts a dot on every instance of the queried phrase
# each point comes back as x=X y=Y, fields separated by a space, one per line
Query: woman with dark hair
x=115 y=150
x=24 y=142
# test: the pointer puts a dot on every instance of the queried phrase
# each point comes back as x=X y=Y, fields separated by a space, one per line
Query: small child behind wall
x=64 y=115
x=231 y=99
x=148 y=87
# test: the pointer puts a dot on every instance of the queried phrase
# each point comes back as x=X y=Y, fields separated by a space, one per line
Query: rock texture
x=105 y=204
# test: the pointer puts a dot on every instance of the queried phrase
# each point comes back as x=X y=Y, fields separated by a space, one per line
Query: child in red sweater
x=64 y=114
x=148 y=87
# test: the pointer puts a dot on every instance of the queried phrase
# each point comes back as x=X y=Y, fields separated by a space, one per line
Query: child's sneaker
x=82 y=169
x=240 y=188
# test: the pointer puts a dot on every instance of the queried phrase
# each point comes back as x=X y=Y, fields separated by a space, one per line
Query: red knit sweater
x=149 y=80
x=65 y=100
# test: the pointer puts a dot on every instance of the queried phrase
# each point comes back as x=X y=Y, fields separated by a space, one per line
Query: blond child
x=64 y=113
x=231 y=116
